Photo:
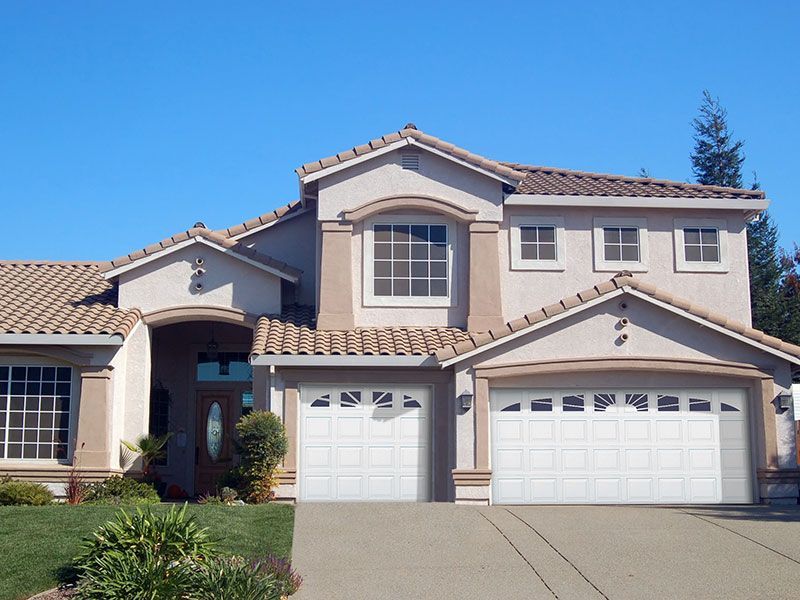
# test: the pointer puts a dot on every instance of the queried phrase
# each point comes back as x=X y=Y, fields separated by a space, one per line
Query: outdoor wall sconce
x=783 y=402
x=466 y=400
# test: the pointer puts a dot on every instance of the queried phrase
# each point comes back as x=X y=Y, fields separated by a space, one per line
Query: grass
x=36 y=542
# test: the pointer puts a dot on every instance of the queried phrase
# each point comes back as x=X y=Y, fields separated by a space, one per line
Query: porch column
x=93 y=439
x=776 y=485
x=287 y=481
x=336 y=277
x=473 y=485
x=485 y=305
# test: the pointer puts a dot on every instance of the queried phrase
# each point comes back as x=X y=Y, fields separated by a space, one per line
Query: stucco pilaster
x=93 y=438
x=485 y=302
x=336 y=277
x=481 y=423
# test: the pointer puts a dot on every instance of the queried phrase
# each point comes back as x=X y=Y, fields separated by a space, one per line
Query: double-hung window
x=701 y=245
x=408 y=263
x=537 y=243
x=620 y=244
x=35 y=411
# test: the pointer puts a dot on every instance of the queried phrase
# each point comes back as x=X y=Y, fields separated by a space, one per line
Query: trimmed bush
x=121 y=490
x=233 y=578
x=142 y=555
x=262 y=444
x=24 y=493
x=288 y=580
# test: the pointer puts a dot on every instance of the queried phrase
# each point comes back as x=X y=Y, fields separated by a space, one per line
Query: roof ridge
x=619 y=281
x=631 y=179
x=51 y=263
x=410 y=131
x=263 y=219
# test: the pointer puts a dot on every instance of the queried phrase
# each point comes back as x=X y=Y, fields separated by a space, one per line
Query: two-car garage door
x=365 y=443
x=620 y=446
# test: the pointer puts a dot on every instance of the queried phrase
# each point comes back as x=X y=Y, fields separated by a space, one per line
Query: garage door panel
x=364 y=443
x=621 y=446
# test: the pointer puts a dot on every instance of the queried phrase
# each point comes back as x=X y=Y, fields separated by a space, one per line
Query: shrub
x=121 y=490
x=262 y=444
x=233 y=578
x=142 y=549
x=288 y=580
x=226 y=496
x=24 y=492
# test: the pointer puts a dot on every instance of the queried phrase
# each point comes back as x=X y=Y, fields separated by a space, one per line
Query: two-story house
x=430 y=325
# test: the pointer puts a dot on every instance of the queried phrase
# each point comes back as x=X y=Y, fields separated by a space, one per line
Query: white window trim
x=371 y=300
x=601 y=264
x=684 y=266
x=521 y=264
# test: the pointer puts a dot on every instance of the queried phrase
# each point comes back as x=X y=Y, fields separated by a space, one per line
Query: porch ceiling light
x=212 y=348
x=224 y=365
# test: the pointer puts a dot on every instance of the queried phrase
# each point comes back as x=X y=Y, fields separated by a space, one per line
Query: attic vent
x=409 y=161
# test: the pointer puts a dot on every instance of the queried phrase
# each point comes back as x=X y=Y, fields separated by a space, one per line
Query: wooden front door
x=214 y=450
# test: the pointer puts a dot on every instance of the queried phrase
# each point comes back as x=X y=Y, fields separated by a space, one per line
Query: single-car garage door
x=620 y=446
x=365 y=443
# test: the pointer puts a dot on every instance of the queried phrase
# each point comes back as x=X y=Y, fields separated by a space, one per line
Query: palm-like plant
x=150 y=447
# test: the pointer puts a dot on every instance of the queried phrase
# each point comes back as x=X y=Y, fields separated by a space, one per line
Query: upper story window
x=35 y=412
x=701 y=245
x=620 y=244
x=537 y=243
x=408 y=262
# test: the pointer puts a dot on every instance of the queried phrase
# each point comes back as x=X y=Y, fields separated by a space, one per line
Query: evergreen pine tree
x=717 y=159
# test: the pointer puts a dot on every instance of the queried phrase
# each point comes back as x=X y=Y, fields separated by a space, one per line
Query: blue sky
x=123 y=123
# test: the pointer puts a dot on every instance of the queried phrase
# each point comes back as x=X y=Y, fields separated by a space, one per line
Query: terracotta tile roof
x=262 y=220
x=45 y=297
x=563 y=182
x=622 y=280
x=294 y=332
x=212 y=236
x=410 y=131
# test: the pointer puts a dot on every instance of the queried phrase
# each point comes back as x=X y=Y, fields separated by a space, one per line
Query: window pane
x=419 y=251
x=547 y=234
x=630 y=253
x=691 y=235
x=708 y=236
x=400 y=233
x=401 y=287
x=383 y=251
x=383 y=287
x=547 y=252
x=529 y=252
x=419 y=233
x=439 y=269
x=613 y=253
x=419 y=287
x=419 y=269
x=527 y=234
x=383 y=268
x=611 y=235
x=630 y=235
x=692 y=253
x=439 y=252
x=438 y=287
x=438 y=234
x=400 y=251
x=710 y=254
x=401 y=268
x=383 y=233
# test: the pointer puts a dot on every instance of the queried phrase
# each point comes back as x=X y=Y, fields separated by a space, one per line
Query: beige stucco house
x=430 y=325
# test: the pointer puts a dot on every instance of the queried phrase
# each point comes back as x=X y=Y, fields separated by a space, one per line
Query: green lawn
x=37 y=541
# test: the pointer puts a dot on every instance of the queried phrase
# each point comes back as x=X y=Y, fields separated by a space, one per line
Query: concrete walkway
x=443 y=551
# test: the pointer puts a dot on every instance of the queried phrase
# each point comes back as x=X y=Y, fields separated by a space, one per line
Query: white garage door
x=365 y=443
x=620 y=446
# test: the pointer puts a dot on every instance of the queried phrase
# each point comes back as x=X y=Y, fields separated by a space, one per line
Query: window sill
x=537 y=266
x=406 y=302
x=606 y=267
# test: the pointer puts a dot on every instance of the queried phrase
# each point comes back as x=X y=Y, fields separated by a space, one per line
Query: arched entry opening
x=202 y=383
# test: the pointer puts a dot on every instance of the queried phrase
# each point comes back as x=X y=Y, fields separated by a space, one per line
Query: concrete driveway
x=442 y=551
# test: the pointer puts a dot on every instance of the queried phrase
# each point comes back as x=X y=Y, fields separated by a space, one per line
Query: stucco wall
x=132 y=391
x=726 y=293
x=169 y=281
x=382 y=176
x=294 y=241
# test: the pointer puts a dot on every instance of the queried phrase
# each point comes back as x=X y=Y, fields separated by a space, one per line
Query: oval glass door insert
x=214 y=431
